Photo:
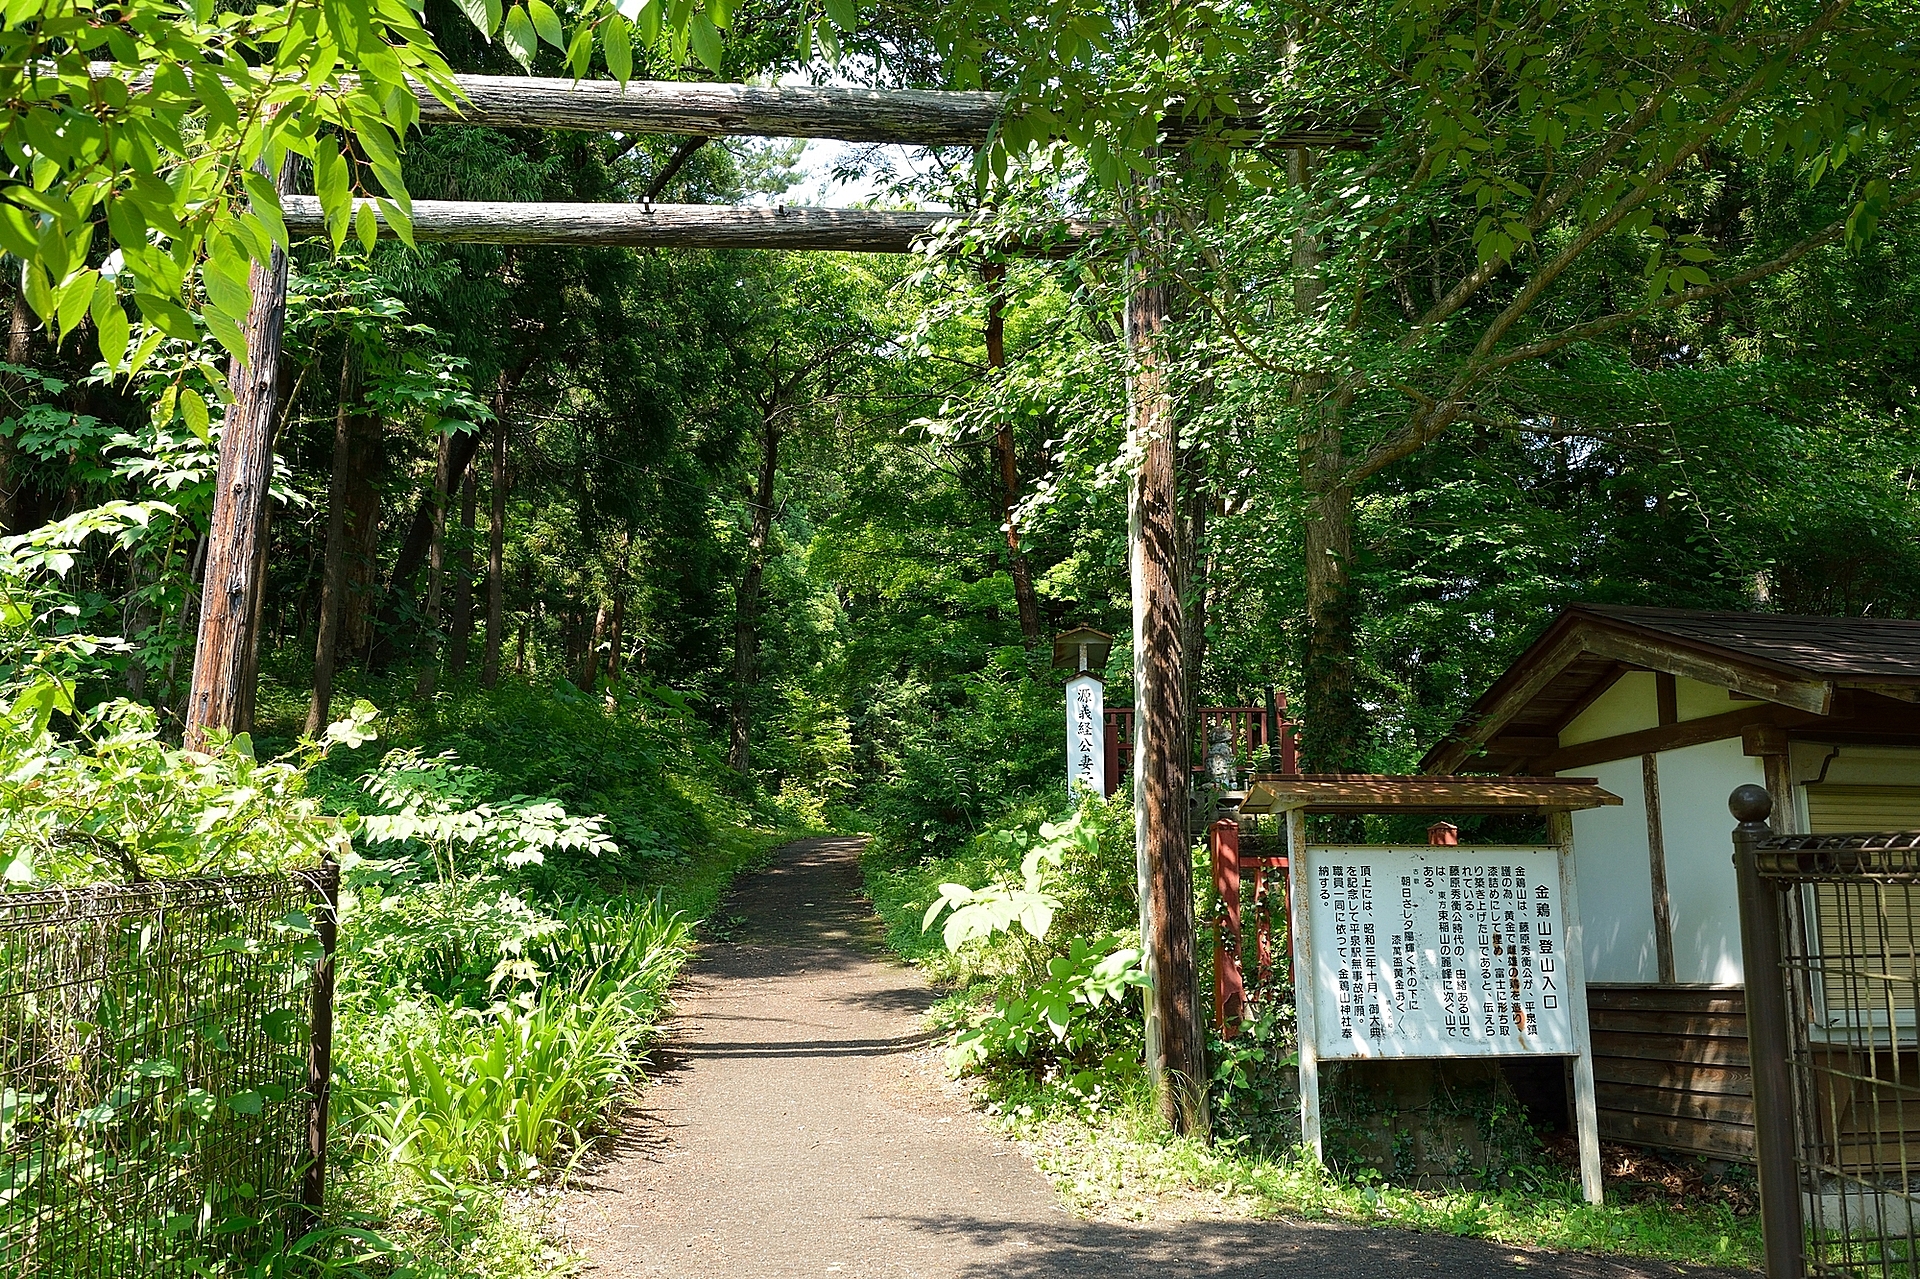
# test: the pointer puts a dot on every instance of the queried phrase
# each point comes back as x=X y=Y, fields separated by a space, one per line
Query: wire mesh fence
x=157 y=1073
x=1848 y=909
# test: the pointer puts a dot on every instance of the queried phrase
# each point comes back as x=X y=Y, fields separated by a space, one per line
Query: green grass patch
x=1114 y=1157
x=1111 y=1155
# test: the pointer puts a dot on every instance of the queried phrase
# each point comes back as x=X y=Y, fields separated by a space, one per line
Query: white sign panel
x=1438 y=952
x=1086 y=735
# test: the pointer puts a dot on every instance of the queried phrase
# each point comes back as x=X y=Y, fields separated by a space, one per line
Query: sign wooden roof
x=1383 y=793
x=1797 y=663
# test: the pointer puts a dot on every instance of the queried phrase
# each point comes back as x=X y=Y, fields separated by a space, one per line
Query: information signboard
x=1438 y=952
x=1086 y=735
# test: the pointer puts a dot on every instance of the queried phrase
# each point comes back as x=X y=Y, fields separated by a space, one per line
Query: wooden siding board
x=1702 y=1052
x=1674 y=1104
x=1671 y=1067
x=1671 y=1024
x=1721 y=1141
x=1639 y=1072
x=1710 y=999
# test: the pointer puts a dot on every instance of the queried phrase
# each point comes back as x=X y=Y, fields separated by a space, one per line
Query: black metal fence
x=163 y=1063
x=1836 y=1064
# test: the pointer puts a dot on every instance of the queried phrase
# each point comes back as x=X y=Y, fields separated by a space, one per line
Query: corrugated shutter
x=1868 y=933
x=1833 y=810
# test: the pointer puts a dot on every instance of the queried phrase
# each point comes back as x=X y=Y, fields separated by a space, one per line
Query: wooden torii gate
x=225 y=654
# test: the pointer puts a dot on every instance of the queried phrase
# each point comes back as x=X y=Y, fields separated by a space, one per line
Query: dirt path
x=794 y=1133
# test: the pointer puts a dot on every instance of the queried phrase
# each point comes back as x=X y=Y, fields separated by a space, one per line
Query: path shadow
x=1261 y=1250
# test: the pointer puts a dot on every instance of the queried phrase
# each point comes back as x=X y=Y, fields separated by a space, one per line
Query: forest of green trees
x=641 y=558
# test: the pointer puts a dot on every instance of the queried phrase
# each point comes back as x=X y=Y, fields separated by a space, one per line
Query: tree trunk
x=1195 y=567
x=616 y=628
x=19 y=351
x=1176 y=1044
x=415 y=550
x=520 y=657
x=616 y=635
x=443 y=484
x=497 y=543
x=1333 y=732
x=746 y=638
x=590 y=675
x=461 y=620
x=333 y=573
x=1008 y=462
x=223 y=693
x=367 y=455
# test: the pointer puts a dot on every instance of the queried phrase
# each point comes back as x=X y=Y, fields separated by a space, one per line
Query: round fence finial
x=1750 y=805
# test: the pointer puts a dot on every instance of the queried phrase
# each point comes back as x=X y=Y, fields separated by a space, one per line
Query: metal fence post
x=1761 y=952
x=313 y=1190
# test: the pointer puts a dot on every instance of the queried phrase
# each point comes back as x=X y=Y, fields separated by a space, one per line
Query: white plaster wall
x=1627 y=707
x=1694 y=700
x=1615 y=881
x=1698 y=833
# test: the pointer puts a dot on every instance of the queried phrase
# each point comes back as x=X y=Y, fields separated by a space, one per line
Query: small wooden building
x=1671 y=709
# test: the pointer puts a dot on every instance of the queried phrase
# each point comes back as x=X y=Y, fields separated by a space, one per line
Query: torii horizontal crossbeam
x=909 y=117
x=920 y=117
x=664 y=226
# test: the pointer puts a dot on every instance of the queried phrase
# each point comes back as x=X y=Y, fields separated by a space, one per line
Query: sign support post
x=1299 y=891
x=1586 y=1111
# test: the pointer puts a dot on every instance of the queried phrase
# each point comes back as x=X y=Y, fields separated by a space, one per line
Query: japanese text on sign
x=1437 y=952
x=1086 y=735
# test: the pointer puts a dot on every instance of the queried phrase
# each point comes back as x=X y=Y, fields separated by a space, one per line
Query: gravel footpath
x=793 y=1131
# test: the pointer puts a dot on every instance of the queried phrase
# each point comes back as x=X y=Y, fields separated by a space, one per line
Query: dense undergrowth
x=525 y=878
x=1064 y=1076
x=495 y=1018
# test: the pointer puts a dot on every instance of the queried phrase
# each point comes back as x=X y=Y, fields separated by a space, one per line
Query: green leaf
x=706 y=41
x=227 y=331
x=547 y=23
x=283 y=1025
x=366 y=225
x=168 y=316
x=39 y=293
x=194 y=409
x=580 y=50
x=331 y=184
x=115 y=331
x=844 y=15
x=619 y=52
x=481 y=14
x=73 y=299
x=148 y=345
x=518 y=35
x=18 y=235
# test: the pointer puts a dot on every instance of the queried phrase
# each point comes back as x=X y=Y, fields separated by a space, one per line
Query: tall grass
x=506 y=1091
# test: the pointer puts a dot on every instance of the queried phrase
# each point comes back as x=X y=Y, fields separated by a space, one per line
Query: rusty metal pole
x=313 y=1187
x=1761 y=956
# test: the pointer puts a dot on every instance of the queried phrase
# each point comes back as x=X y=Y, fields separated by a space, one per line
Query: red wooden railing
x=1253 y=874
x=1264 y=739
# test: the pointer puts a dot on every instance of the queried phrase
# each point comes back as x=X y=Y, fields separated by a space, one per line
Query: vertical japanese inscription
x=1417 y=956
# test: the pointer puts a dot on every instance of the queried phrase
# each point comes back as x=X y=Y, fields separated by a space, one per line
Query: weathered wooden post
x=1175 y=1039
x=223 y=653
x=313 y=1184
x=1761 y=952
